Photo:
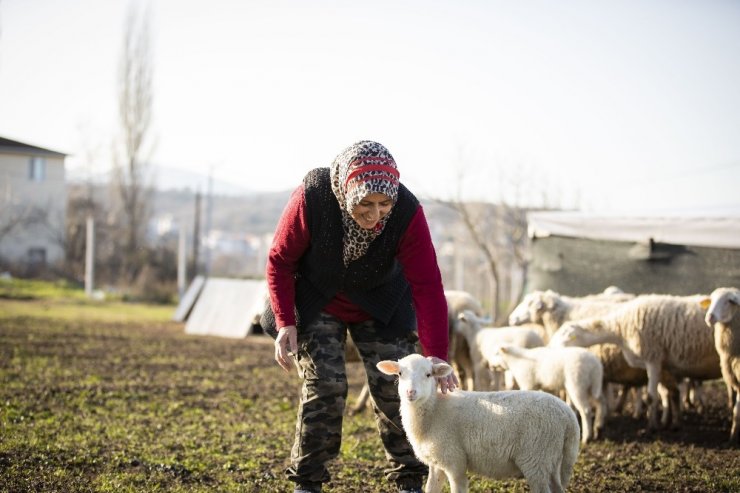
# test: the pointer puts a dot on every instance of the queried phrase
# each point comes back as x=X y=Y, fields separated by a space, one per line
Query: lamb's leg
x=735 y=430
x=600 y=419
x=617 y=395
x=639 y=401
x=653 y=372
x=580 y=399
x=665 y=399
x=670 y=395
x=696 y=396
x=435 y=480
x=728 y=376
x=458 y=481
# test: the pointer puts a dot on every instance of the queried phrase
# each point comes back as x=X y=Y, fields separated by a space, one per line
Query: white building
x=33 y=200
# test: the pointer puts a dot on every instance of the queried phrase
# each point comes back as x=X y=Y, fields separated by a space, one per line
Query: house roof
x=15 y=147
x=719 y=229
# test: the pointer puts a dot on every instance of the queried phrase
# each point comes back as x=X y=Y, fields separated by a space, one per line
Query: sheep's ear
x=440 y=370
x=735 y=297
x=705 y=302
x=388 y=367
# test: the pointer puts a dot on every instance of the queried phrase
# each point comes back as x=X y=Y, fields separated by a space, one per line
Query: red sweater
x=415 y=254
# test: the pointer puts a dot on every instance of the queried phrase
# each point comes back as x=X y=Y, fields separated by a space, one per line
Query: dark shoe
x=409 y=489
x=308 y=488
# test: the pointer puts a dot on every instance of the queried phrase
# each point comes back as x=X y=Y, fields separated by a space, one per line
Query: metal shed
x=577 y=253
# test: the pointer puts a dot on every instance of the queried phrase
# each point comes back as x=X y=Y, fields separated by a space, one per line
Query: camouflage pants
x=319 y=426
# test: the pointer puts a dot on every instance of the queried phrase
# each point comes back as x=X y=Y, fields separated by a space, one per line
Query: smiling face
x=371 y=209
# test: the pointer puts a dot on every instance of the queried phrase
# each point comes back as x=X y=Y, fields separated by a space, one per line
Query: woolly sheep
x=723 y=315
x=485 y=341
x=618 y=371
x=495 y=434
x=573 y=369
x=459 y=346
x=552 y=309
x=655 y=332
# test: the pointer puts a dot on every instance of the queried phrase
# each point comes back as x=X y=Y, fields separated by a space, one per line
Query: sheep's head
x=529 y=310
x=468 y=323
x=721 y=306
x=496 y=361
x=569 y=334
x=417 y=376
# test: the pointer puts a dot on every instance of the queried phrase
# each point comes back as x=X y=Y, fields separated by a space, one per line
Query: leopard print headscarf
x=363 y=168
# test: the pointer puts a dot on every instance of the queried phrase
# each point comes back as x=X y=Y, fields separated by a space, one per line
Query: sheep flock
x=591 y=352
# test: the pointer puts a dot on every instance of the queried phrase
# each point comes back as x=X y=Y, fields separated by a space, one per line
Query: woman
x=352 y=252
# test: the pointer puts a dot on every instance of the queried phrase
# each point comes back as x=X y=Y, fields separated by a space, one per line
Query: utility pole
x=196 y=234
x=209 y=219
x=181 y=261
x=89 y=256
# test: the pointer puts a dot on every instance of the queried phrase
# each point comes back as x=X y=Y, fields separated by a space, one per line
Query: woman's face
x=372 y=209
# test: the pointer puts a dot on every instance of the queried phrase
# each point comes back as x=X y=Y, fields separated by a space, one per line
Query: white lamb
x=723 y=315
x=575 y=370
x=459 y=347
x=655 y=332
x=494 y=434
x=485 y=341
x=631 y=379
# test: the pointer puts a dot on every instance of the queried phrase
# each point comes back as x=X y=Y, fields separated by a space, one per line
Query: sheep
x=499 y=435
x=484 y=342
x=553 y=369
x=459 y=346
x=551 y=309
x=723 y=316
x=655 y=332
x=631 y=379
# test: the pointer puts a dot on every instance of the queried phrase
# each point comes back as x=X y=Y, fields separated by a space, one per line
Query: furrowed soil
x=108 y=404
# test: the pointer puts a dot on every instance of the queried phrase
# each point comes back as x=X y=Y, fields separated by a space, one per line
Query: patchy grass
x=28 y=289
x=111 y=397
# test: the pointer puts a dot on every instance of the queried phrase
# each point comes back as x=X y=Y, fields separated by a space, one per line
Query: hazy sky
x=610 y=106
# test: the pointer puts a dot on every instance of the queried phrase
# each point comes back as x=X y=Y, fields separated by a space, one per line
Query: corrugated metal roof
x=709 y=230
x=227 y=307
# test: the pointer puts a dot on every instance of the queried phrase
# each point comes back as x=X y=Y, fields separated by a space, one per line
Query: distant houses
x=33 y=202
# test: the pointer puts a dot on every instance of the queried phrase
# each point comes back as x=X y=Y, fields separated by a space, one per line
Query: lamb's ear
x=705 y=302
x=735 y=297
x=388 y=367
x=440 y=370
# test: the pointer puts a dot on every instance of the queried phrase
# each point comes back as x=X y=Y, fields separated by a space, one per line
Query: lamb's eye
x=400 y=373
x=429 y=375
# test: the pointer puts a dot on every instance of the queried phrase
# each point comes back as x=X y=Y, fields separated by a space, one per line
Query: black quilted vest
x=375 y=281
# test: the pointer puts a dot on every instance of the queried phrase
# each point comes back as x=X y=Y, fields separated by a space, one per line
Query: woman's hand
x=449 y=382
x=286 y=345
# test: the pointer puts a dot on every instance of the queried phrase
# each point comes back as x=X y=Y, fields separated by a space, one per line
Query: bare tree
x=499 y=234
x=135 y=98
x=14 y=216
